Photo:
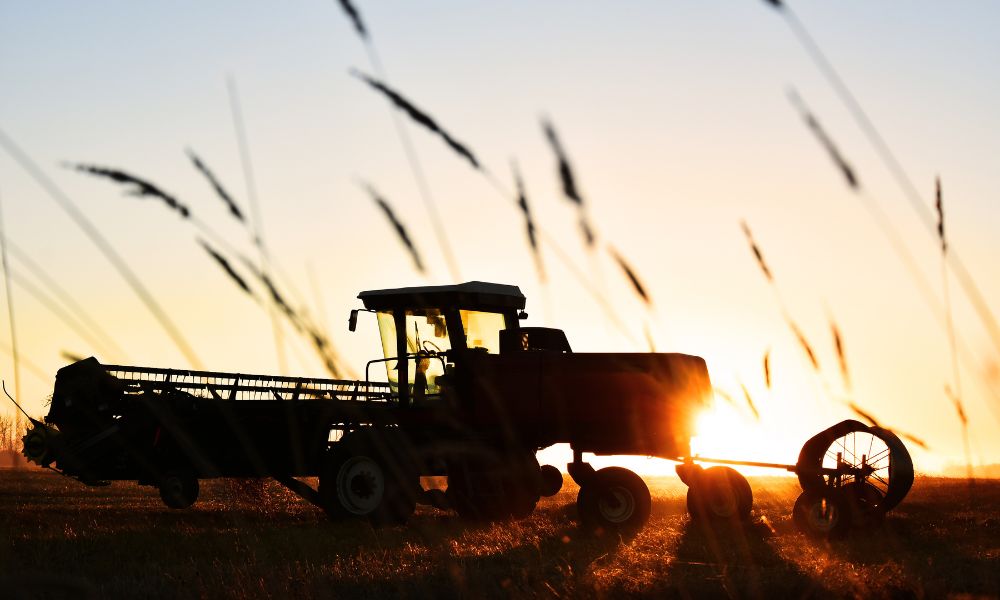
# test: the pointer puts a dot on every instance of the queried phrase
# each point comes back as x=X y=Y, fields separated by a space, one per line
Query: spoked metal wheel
x=869 y=466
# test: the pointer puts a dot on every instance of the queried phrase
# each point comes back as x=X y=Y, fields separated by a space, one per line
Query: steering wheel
x=434 y=348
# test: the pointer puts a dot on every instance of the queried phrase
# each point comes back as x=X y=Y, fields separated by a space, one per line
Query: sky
x=677 y=122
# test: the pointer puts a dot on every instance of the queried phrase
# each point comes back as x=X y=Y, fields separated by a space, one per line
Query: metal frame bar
x=214 y=385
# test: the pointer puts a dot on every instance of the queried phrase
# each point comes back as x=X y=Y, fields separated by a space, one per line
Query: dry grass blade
x=863 y=414
x=565 y=172
x=419 y=116
x=401 y=232
x=63 y=296
x=959 y=406
x=227 y=267
x=909 y=436
x=570 y=189
x=724 y=395
x=529 y=221
x=355 y=17
x=868 y=417
x=825 y=140
x=841 y=356
x=43 y=375
x=71 y=357
x=940 y=214
x=279 y=301
x=81 y=220
x=649 y=338
x=299 y=320
x=325 y=350
x=276 y=296
x=234 y=209
x=11 y=324
x=138 y=187
x=767 y=368
x=750 y=402
x=637 y=286
x=756 y=251
x=805 y=344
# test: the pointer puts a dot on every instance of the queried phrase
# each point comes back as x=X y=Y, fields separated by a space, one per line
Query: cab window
x=426 y=333
x=482 y=329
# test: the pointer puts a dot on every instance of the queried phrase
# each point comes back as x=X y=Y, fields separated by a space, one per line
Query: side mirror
x=352 y=321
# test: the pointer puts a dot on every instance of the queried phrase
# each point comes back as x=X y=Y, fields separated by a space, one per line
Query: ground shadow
x=735 y=560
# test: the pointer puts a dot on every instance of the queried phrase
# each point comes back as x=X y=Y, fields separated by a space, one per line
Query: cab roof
x=471 y=295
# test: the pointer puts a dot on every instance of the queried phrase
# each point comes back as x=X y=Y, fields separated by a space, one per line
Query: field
x=61 y=539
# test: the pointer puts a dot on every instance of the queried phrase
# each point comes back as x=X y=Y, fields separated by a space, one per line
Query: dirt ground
x=60 y=539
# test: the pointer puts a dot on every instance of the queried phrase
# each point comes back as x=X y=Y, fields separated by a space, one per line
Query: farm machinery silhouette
x=469 y=394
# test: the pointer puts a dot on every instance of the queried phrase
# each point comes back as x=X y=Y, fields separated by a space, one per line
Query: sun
x=724 y=432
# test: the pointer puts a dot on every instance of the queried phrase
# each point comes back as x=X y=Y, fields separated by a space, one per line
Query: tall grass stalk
x=927 y=293
x=501 y=189
x=401 y=232
x=140 y=188
x=66 y=300
x=838 y=344
x=956 y=396
x=105 y=247
x=220 y=190
x=413 y=159
x=246 y=163
x=767 y=368
x=750 y=403
x=10 y=306
x=58 y=311
x=892 y=164
x=786 y=315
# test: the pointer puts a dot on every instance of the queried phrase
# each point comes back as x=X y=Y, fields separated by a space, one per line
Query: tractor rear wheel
x=614 y=499
x=178 y=489
x=496 y=489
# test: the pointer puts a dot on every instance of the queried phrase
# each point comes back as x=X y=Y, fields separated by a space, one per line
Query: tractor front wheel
x=615 y=500
x=367 y=477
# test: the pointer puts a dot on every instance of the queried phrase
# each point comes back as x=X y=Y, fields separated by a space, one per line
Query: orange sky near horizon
x=675 y=117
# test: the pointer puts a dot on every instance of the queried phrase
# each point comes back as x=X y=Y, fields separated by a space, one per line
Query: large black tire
x=495 y=489
x=615 y=500
x=179 y=489
x=552 y=480
x=367 y=477
x=822 y=514
x=721 y=494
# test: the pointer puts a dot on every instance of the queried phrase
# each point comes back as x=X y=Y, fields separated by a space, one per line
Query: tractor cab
x=426 y=330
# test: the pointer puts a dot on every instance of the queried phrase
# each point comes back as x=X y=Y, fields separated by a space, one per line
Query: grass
x=61 y=539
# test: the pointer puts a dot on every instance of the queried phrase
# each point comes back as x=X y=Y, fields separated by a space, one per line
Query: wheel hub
x=616 y=505
x=360 y=485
